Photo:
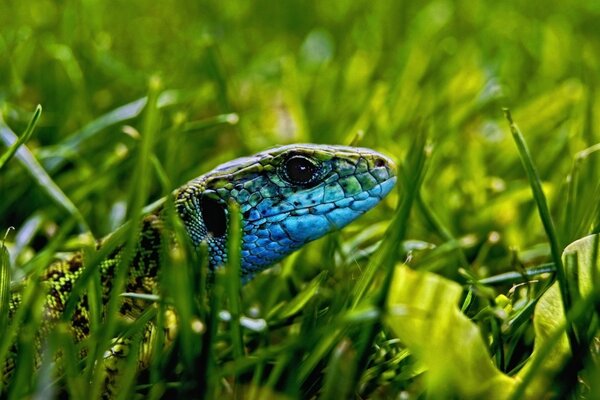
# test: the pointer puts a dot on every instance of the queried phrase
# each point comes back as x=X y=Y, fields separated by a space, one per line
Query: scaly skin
x=288 y=196
x=280 y=216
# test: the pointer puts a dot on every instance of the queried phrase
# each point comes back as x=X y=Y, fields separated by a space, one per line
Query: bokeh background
x=241 y=76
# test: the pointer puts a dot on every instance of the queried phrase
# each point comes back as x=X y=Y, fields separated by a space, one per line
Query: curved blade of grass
x=41 y=177
x=295 y=305
x=117 y=116
x=24 y=137
x=544 y=212
x=509 y=278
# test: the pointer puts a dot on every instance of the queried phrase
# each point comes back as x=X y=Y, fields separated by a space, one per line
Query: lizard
x=287 y=196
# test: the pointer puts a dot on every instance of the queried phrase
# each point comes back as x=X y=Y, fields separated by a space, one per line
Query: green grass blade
x=319 y=352
x=42 y=179
x=23 y=139
x=4 y=284
x=234 y=262
x=581 y=218
x=544 y=212
x=74 y=142
x=509 y=278
x=212 y=122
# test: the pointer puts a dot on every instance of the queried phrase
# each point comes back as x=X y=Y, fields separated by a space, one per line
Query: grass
x=139 y=97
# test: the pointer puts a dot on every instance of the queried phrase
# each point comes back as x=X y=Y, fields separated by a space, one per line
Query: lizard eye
x=299 y=170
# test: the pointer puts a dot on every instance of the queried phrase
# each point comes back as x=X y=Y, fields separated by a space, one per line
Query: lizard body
x=288 y=196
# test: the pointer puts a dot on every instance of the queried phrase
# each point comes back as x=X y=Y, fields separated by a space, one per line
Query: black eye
x=300 y=170
x=214 y=216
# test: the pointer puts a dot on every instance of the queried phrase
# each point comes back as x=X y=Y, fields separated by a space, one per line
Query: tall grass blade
x=544 y=212
x=4 y=284
x=233 y=277
x=8 y=154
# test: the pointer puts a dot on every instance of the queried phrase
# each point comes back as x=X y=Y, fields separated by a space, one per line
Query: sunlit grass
x=140 y=97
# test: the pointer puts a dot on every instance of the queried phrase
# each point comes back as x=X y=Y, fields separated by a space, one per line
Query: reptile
x=287 y=197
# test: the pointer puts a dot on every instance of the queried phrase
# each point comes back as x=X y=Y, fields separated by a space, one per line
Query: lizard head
x=288 y=196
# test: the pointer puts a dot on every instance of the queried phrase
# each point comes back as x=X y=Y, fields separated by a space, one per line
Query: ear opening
x=214 y=214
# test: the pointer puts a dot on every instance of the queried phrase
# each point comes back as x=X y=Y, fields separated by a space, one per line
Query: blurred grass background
x=243 y=76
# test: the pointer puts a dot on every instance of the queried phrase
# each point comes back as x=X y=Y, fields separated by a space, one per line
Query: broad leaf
x=423 y=312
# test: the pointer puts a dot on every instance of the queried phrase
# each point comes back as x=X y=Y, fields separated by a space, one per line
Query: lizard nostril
x=379 y=162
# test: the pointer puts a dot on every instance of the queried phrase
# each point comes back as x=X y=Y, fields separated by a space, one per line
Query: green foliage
x=26 y=135
x=141 y=96
x=424 y=315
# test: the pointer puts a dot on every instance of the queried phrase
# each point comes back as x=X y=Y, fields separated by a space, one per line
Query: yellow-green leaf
x=424 y=313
